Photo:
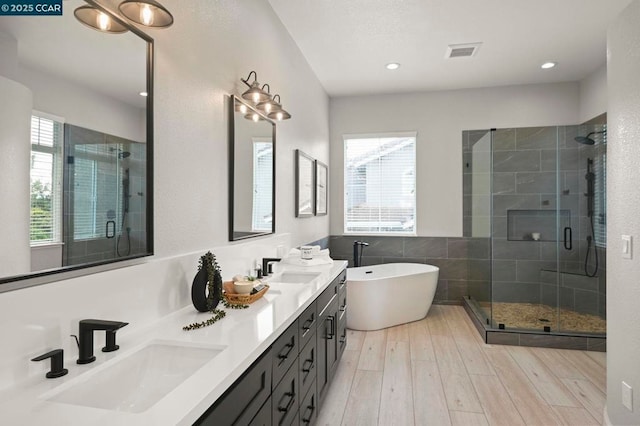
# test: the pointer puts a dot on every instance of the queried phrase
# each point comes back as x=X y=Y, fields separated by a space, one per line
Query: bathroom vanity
x=270 y=364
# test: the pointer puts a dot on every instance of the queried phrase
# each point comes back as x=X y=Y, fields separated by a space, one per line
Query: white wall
x=439 y=118
x=593 y=94
x=623 y=208
x=198 y=61
x=15 y=119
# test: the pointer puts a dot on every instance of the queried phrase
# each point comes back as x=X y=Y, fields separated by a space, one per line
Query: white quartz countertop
x=243 y=335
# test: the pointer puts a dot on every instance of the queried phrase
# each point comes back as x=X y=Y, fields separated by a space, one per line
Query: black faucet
x=358 y=248
x=85 y=340
x=267 y=265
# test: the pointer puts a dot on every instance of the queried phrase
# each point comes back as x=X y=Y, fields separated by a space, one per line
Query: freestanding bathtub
x=385 y=295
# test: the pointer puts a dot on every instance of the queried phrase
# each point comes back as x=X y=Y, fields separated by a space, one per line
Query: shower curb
x=494 y=336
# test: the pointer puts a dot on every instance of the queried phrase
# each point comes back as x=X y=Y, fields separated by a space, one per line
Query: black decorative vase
x=199 y=297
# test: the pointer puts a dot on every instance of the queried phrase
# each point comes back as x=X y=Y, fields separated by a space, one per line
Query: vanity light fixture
x=148 y=13
x=262 y=100
x=548 y=65
x=255 y=94
x=98 y=20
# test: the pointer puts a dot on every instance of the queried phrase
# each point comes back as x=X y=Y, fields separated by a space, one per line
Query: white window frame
x=254 y=215
x=403 y=134
x=57 y=153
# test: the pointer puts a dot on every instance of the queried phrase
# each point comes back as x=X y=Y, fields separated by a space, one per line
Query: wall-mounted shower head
x=586 y=140
x=124 y=154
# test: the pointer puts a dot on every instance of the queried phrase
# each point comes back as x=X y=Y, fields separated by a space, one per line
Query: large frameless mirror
x=75 y=145
x=252 y=143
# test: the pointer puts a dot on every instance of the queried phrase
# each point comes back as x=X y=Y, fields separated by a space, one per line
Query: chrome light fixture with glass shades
x=148 y=13
x=262 y=100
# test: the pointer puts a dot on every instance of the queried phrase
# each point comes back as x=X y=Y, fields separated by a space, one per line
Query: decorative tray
x=241 y=299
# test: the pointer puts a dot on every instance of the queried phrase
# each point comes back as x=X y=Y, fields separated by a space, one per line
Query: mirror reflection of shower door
x=94 y=196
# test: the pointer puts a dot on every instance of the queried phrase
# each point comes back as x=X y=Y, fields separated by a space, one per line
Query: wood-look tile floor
x=438 y=371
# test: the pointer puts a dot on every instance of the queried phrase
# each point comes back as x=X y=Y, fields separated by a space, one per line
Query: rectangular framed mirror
x=76 y=145
x=252 y=165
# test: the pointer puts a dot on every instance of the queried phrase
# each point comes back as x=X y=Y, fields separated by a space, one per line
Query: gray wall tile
x=516 y=161
x=431 y=247
x=516 y=292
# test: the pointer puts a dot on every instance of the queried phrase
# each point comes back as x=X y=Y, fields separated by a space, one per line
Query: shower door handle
x=568 y=240
x=110 y=230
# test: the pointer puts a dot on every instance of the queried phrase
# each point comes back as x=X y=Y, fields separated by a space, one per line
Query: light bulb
x=104 y=22
x=255 y=117
x=267 y=107
x=279 y=116
x=146 y=15
x=243 y=109
x=256 y=97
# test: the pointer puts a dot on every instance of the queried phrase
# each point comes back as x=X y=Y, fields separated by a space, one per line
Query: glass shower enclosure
x=538 y=195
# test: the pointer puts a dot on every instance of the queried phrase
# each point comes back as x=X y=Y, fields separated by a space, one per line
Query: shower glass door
x=526 y=220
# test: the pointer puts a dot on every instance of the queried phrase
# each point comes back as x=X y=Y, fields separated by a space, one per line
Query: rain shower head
x=586 y=140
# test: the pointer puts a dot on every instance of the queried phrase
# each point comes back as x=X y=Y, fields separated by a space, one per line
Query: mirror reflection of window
x=46 y=179
x=262 y=184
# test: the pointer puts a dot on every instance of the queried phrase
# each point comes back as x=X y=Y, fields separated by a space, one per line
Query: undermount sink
x=291 y=277
x=137 y=381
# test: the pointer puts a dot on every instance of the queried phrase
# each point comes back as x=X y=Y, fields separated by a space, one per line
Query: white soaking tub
x=385 y=295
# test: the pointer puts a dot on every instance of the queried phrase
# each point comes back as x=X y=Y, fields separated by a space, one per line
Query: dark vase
x=199 y=291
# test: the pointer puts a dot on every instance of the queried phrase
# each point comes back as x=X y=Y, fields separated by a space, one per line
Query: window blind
x=380 y=184
x=46 y=180
x=600 y=194
x=262 y=185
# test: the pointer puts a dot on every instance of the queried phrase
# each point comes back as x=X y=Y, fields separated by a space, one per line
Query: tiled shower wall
x=464 y=262
x=530 y=165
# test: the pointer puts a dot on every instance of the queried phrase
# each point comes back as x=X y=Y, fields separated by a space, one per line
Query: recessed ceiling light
x=145 y=94
x=548 y=65
x=393 y=66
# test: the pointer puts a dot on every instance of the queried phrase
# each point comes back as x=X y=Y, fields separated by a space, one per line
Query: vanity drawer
x=307 y=363
x=263 y=418
x=326 y=297
x=307 y=324
x=342 y=334
x=342 y=282
x=285 y=352
x=240 y=403
x=285 y=399
x=342 y=305
x=309 y=407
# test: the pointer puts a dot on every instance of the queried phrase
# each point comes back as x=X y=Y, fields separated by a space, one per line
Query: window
x=600 y=196
x=380 y=183
x=46 y=179
x=262 y=184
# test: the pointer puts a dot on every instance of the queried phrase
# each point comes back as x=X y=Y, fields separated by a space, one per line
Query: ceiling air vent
x=466 y=50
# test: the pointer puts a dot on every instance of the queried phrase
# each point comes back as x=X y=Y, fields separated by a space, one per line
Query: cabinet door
x=240 y=403
x=285 y=399
x=327 y=347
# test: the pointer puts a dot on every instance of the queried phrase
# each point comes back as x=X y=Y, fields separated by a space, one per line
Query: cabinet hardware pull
x=568 y=242
x=286 y=354
x=292 y=398
x=308 y=323
x=309 y=368
x=331 y=334
x=308 y=419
